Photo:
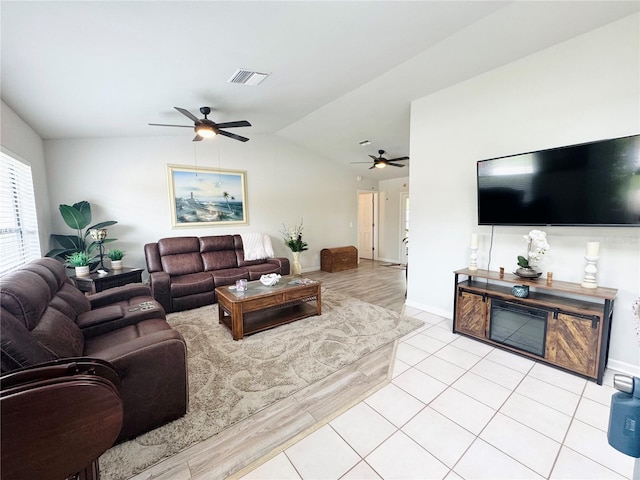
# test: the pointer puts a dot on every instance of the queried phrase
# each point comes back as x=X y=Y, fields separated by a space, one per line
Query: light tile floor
x=457 y=408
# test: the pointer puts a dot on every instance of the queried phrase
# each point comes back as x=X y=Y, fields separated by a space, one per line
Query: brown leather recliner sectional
x=184 y=271
x=44 y=317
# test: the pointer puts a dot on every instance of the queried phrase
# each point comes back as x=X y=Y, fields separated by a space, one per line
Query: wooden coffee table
x=261 y=307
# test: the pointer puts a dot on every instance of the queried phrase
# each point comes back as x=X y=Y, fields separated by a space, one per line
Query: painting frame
x=207 y=197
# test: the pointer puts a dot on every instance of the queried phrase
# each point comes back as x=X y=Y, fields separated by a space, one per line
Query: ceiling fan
x=206 y=128
x=381 y=162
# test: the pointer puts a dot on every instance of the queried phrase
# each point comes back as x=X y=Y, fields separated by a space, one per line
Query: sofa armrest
x=283 y=264
x=154 y=379
x=160 y=283
x=119 y=294
x=99 y=316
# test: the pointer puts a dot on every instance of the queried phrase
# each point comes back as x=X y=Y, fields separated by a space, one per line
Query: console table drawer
x=338 y=259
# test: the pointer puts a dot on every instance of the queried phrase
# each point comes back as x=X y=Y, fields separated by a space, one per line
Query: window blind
x=19 y=239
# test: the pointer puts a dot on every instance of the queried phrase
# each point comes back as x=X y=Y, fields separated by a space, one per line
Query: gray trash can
x=624 y=420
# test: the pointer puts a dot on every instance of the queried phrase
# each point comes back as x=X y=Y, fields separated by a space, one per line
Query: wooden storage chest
x=338 y=259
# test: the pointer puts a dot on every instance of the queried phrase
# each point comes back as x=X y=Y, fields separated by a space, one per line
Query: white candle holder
x=473 y=263
x=590 y=271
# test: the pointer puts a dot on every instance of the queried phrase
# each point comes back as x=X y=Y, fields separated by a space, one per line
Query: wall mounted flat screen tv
x=596 y=183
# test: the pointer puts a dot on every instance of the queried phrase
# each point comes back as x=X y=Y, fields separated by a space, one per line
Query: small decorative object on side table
x=95 y=282
x=116 y=255
x=99 y=234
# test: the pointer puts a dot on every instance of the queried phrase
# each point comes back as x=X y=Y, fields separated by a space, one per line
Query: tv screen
x=596 y=183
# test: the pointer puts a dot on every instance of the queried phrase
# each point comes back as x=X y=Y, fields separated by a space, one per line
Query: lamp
x=99 y=234
x=206 y=131
x=381 y=165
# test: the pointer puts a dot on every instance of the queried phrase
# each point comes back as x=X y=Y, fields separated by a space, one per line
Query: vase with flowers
x=293 y=240
x=537 y=245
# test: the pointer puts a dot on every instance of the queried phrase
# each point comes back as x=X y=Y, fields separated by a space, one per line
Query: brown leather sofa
x=44 y=317
x=185 y=271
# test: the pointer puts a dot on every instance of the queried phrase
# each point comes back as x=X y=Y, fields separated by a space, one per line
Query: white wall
x=19 y=140
x=585 y=89
x=391 y=233
x=125 y=179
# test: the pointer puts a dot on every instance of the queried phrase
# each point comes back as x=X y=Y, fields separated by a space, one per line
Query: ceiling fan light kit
x=205 y=131
x=381 y=162
x=206 y=128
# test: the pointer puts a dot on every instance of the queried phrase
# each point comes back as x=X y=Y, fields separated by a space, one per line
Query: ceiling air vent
x=248 y=77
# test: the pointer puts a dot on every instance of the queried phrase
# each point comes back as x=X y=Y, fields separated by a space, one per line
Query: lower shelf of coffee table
x=265 y=319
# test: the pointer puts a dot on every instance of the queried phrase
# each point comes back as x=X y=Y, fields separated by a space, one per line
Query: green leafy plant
x=78 y=259
x=115 y=254
x=293 y=238
x=78 y=218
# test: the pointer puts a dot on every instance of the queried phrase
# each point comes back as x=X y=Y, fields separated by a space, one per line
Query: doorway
x=367 y=224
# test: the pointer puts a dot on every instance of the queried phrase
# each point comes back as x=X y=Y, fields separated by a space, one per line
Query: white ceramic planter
x=116 y=264
x=82 y=271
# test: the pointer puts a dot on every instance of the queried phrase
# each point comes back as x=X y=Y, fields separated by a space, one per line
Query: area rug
x=230 y=380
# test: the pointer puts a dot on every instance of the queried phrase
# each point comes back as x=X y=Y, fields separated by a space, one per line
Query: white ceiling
x=341 y=71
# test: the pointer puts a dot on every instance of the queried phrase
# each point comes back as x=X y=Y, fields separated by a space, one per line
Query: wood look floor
x=238 y=449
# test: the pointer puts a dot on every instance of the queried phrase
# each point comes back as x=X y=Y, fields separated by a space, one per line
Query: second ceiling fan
x=381 y=162
x=206 y=128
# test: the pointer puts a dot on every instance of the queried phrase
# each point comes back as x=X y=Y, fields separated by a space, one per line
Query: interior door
x=366 y=225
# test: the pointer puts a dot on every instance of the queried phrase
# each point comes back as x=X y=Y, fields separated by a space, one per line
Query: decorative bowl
x=520 y=291
x=527 y=272
x=270 y=279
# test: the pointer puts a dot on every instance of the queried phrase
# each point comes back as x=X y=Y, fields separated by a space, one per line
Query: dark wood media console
x=574 y=322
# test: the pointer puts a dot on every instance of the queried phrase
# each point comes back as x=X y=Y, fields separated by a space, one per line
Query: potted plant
x=78 y=217
x=537 y=245
x=115 y=255
x=293 y=240
x=81 y=262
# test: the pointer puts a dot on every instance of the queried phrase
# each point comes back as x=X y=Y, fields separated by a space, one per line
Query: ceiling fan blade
x=240 y=123
x=394 y=165
x=197 y=138
x=372 y=167
x=375 y=158
x=233 y=135
x=359 y=162
x=187 y=113
x=167 y=125
x=398 y=159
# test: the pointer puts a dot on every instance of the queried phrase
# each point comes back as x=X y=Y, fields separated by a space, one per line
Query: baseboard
x=623 y=367
x=428 y=308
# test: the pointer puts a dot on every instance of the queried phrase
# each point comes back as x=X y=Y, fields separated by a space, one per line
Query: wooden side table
x=94 y=282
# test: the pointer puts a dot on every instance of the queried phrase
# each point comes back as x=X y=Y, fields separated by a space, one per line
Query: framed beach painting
x=204 y=197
